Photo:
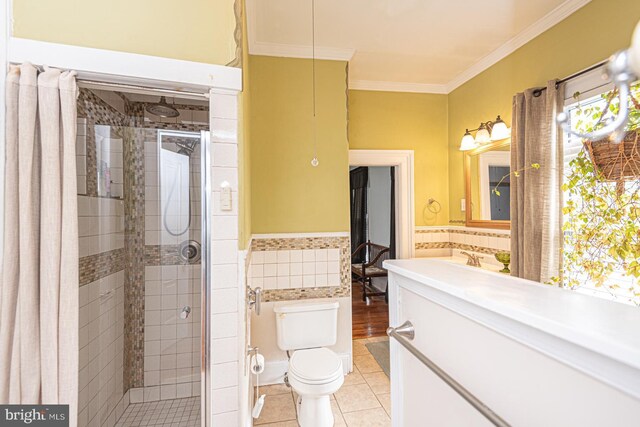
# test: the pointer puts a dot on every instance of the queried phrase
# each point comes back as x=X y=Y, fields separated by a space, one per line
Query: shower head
x=162 y=109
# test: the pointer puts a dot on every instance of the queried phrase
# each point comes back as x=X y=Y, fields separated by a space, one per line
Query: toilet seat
x=315 y=366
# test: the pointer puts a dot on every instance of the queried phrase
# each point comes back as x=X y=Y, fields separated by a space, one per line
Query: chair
x=365 y=272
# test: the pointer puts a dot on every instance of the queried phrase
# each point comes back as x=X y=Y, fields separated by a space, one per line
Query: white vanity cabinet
x=534 y=354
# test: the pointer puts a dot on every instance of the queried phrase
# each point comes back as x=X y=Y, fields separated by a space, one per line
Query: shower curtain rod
x=139 y=89
x=538 y=91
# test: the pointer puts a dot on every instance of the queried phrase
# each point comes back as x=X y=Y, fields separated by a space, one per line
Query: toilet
x=304 y=330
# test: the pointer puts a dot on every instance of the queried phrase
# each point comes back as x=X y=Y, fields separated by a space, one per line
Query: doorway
x=394 y=171
x=373 y=225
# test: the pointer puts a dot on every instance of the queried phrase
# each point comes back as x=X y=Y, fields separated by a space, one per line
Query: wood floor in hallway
x=369 y=319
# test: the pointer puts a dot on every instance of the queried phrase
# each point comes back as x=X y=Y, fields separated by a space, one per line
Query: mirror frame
x=481 y=223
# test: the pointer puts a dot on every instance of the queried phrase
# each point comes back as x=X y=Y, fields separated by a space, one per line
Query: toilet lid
x=315 y=365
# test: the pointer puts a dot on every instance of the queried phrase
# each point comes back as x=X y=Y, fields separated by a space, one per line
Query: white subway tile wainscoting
x=290 y=269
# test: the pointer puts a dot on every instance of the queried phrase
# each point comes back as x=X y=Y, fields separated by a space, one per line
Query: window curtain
x=358 y=182
x=39 y=288
x=536 y=197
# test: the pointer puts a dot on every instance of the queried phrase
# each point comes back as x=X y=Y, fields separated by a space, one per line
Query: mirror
x=487 y=181
x=109 y=162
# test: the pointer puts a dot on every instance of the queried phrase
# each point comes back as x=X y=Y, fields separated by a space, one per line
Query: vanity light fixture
x=485 y=133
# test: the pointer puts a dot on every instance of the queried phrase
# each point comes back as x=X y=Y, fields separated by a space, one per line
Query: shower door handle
x=254 y=299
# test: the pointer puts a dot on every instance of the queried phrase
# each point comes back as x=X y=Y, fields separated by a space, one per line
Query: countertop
x=603 y=327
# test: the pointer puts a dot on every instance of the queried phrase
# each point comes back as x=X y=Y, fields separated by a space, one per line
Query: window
x=601 y=208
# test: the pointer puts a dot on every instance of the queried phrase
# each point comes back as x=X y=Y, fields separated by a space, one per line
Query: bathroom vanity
x=535 y=355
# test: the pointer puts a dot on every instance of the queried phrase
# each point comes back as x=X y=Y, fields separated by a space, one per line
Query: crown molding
x=301 y=51
x=397 y=86
x=534 y=30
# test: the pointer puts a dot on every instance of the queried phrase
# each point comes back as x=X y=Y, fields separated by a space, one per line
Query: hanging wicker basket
x=616 y=162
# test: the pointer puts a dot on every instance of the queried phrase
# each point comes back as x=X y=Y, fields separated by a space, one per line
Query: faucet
x=472 y=259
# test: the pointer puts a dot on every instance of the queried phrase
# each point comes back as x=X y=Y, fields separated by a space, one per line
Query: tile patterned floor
x=174 y=412
x=363 y=400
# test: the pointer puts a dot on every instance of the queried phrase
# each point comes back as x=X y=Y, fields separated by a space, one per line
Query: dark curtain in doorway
x=392 y=225
x=358 y=181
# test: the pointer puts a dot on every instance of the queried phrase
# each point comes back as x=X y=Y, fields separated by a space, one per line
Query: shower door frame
x=205 y=274
x=142 y=74
x=205 y=262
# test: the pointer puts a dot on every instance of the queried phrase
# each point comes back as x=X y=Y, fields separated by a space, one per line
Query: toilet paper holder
x=255 y=356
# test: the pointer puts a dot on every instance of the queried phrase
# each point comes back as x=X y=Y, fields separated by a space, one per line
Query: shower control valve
x=186 y=310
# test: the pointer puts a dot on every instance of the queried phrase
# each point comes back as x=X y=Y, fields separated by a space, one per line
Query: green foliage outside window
x=602 y=215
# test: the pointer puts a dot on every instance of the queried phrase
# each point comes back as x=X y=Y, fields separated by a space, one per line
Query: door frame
x=402 y=161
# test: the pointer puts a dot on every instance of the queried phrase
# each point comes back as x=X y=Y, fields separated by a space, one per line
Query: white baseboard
x=274 y=370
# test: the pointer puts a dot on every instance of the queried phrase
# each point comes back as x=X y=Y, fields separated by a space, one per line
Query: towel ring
x=431 y=205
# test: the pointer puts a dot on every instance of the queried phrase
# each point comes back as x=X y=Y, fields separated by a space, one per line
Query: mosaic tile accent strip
x=133 y=146
x=98 y=266
x=480 y=233
x=296 y=243
x=467 y=232
x=158 y=255
x=461 y=246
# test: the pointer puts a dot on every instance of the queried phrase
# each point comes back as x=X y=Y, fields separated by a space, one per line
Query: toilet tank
x=306 y=324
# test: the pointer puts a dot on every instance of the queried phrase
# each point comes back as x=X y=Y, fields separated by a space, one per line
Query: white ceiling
x=404 y=45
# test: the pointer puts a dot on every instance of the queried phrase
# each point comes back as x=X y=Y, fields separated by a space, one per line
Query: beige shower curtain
x=39 y=293
x=536 y=198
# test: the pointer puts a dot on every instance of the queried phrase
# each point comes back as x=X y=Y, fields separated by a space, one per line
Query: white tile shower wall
x=227 y=319
x=291 y=269
x=155 y=230
x=171 y=344
x=101 y=341
x=100 y=225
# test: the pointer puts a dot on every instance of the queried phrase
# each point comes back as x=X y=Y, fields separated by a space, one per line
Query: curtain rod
x=538 y=92
x=137 y=88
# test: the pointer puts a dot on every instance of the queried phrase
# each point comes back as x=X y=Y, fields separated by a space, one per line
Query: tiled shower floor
x=174 y=412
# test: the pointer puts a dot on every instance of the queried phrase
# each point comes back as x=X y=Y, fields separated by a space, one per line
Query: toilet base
x=314 y=411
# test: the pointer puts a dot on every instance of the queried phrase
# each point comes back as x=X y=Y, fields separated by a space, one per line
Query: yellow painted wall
x=588 y=36
x=288 y=195
x=407 y=121
x=195 y=30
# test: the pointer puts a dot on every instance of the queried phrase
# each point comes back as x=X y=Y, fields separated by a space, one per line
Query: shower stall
x=142 y=197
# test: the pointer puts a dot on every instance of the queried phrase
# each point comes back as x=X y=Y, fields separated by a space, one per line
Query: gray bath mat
x=380 y=351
